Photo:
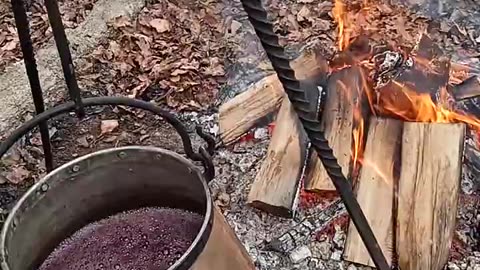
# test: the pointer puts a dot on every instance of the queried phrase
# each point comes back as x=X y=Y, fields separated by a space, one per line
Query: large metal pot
x=103 y=183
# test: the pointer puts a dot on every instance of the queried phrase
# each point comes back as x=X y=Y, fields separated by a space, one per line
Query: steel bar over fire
x=264 y=29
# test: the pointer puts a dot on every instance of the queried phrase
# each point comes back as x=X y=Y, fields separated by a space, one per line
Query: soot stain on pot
x=143 y=239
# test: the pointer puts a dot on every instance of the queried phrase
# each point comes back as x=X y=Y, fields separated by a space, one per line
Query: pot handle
x=203 y=155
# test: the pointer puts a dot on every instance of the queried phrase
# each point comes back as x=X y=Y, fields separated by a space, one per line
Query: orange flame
x=340 y=15
x=358 y=121
x=409 y=105
x=398 y=100
x=358 y=141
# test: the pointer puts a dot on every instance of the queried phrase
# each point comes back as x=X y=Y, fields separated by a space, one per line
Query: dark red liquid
x=144 y=239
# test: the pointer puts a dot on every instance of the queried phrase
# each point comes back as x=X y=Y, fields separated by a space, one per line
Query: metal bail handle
x=203 y=155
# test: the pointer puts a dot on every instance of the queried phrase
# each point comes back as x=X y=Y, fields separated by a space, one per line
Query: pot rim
x=188 y=257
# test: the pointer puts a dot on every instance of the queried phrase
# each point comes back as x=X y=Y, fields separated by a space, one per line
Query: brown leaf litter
x=300 y=22
x=170 y=53
x=107 y=126
x=73 y=13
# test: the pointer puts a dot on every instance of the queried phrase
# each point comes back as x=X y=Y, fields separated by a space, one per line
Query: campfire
x=396 y=121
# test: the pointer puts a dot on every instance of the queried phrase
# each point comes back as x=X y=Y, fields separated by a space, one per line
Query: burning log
x=277 y=183
x=427 y=165
x=375 y=189
x=263 y=98
x=428 y=193
x=338 y=121
x=427 y=74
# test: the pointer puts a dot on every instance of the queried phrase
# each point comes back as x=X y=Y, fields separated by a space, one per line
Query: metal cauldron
x=99 y=185
x=107 y=182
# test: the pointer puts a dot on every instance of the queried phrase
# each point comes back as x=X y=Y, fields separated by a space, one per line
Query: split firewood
x=469 y=88
x=343 y=93
x=262 y=99
x=276 y=185
x=431 y=162
x=375 y=189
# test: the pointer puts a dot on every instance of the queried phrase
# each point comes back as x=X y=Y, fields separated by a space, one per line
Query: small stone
x=107 y=126
x=336 y=255
x=299 y=254
x=82 y=141
x=214 y=130
x=352 y=267
x=339 y=237
x=223 y=199
x=322 y=250
x=260 y=133
x=452 y=266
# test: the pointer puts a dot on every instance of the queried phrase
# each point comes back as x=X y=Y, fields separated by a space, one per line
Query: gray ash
x=143 y=239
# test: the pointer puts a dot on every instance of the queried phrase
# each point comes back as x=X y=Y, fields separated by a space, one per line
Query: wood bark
x=343 y=91
x=243 y=112
x=428 y=193
x=375 y=189
x=277 y=182
x=223 y=249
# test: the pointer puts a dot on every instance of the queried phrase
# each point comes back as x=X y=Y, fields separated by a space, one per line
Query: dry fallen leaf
x=235 y=26
x=83 y=142
x=17 y=175
x=322 y=25
x=303 y=14
x=121 y=21
x=161 y=25
x=401 y=29
x=9 y=46
x=108 y=126
x=179 y=72
x=384 y=9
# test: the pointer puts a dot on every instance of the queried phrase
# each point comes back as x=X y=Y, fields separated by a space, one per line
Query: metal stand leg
x=65 y=55
x=21 y=21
